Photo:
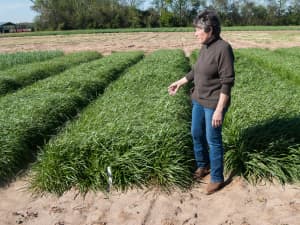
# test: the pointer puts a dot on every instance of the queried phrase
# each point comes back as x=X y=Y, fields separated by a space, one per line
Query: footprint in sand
x=25 y=216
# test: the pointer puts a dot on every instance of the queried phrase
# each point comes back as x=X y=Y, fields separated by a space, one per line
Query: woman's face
x=202 y=36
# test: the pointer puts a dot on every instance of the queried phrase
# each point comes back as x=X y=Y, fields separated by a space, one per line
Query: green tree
x=233 y=16
x=81 y=14
x=180 y=9
x=293 y=13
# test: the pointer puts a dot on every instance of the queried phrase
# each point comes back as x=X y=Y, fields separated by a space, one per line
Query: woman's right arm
x=174 y=87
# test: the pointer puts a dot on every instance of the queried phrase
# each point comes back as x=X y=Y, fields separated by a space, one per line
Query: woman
x=213 y=76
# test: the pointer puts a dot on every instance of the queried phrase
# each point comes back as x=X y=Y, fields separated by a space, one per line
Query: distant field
x=106 y=43
x=164 y=29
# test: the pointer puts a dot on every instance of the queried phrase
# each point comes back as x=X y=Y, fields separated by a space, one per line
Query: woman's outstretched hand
x=174 y=87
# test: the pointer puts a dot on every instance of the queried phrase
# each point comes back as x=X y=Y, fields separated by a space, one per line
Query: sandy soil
x=239 y=203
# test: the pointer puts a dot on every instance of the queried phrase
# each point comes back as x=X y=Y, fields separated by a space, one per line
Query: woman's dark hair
x=208 y=19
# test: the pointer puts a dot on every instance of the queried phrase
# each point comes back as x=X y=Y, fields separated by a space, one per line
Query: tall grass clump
x=23 y=75
x=30 y=116
x=262 y=127
x=8 y=60
x=136 y=129
x=278 y=62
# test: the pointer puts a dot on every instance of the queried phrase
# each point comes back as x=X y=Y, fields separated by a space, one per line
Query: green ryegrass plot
x=262 y=127
x=136 y=128
x=8 y=60
x=286 y=66
x=23 y=75
x=294 y=51
x=28 y=117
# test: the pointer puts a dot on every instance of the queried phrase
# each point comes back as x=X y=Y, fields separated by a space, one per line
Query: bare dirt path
x=146 y=41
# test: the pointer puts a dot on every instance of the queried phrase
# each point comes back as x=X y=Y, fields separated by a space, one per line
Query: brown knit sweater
x=213 y=73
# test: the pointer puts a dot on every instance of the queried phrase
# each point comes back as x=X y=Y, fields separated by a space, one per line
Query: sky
x=16 y=11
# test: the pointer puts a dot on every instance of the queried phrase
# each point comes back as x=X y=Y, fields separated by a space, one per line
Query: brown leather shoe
x=201 y=173
x=213 y=187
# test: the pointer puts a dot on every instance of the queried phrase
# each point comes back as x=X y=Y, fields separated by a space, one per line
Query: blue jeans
x=207 y=140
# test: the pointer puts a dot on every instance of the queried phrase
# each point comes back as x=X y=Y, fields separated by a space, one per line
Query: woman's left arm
x=226 y=72
x=218 y=114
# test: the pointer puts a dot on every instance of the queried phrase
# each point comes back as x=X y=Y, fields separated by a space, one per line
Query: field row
x=262 y=128
x=283 y=62
x=22 y=75
x=18 y=58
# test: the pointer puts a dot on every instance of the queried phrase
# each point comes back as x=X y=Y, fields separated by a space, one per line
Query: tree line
x=95 y=14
